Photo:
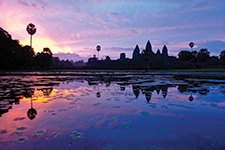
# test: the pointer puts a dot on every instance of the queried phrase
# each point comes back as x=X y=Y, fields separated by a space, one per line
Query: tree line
x=200 y=59
x=13 y=55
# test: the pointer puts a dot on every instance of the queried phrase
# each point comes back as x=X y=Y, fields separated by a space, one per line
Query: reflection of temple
x=46 y=91
x=147 y=91
x=136 y=90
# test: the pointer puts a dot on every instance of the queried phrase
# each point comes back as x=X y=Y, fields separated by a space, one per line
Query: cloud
x=23 y=3
x=69 y=56
x=215 y=46
x=113 y=16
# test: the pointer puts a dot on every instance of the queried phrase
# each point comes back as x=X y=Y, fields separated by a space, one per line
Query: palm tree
x=98 y=48
x=47 y=50
x=31 y=30
x=191 y=44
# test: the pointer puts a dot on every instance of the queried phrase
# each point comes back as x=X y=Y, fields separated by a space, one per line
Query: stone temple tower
x=149 y=47
x=136 y=52
x=165 y=51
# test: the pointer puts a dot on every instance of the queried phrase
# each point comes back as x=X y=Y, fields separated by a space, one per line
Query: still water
x=107 y=113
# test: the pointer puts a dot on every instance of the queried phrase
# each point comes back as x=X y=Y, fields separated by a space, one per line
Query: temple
x=158 y=60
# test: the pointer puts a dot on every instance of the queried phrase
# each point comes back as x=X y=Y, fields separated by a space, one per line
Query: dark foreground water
x=104 y=113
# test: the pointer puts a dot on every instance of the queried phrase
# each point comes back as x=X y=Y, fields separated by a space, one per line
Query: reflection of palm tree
x=191 y=98
x=31 y=30
x=98 y=94
x=31 y=113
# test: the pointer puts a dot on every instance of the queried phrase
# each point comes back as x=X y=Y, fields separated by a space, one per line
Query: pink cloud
x=99 y=19
x=113 y=16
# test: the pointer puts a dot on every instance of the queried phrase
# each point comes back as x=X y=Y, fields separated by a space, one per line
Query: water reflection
x=80 y=109
x=13 y=88
x=191 y=98
x=31 y=113
x=46 y=91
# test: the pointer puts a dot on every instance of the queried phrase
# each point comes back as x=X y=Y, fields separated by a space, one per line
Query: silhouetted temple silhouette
x=158 y=60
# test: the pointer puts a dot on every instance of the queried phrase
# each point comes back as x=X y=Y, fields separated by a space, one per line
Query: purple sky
x=78 y=26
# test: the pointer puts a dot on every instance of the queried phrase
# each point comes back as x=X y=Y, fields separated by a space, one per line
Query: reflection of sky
x=116 y=118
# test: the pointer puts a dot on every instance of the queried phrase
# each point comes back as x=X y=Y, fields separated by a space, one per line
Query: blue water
x=74 y=114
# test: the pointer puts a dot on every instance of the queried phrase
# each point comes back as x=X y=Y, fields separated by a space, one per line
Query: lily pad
x=21 y=128
x=216 y=125
x=22 y=140
x=164 y=131
x=156 y=148
x=62 y=110
x=17 y=133
x=5 y=143
x=53 y=113
x=218 y=141
x=116 y=106
x=77 y=135
x=55 y=134
x=145 y=113
x=96 y=104
x=109 y=147
x=164 y=107
x=40 y=132
x=19 y=118
x=127 y=126
x=3 y=131
x=115 y=120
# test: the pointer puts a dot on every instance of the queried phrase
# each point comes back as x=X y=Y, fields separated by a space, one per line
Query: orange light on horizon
x=39 y=43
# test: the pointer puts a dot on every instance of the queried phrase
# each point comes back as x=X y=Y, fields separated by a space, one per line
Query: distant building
x=92 y=61
x=158 y=60
x=136 y=53
x=122 y=56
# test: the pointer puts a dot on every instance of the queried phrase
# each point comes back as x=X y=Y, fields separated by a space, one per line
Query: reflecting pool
x=127 y=112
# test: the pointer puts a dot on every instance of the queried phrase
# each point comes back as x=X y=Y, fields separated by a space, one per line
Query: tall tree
x=203 y=55
x=222 y=56
x=44 y=59
x=191 y=44
x=98 y=48
x=27 y=53
x=47 y=50
x=31 y=30
x=185 y=55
